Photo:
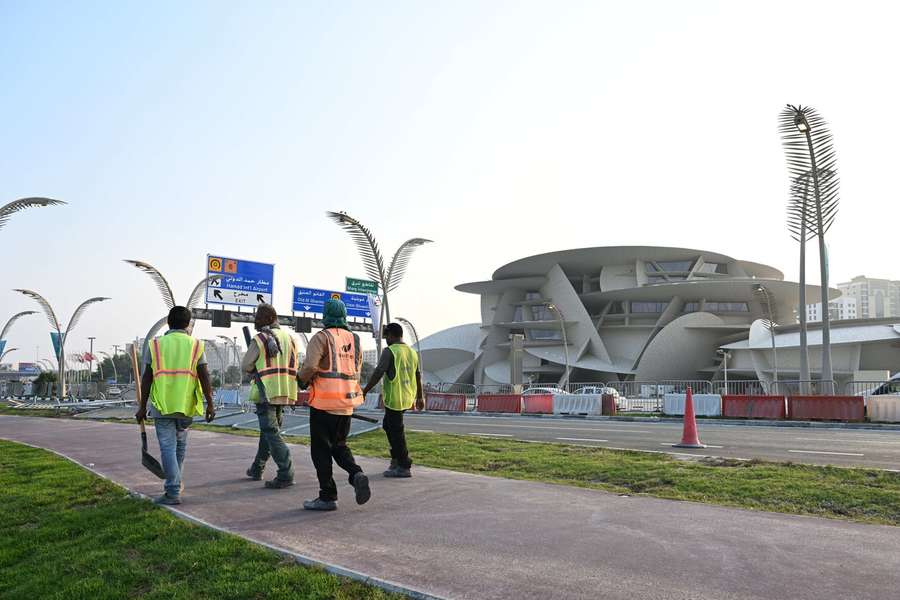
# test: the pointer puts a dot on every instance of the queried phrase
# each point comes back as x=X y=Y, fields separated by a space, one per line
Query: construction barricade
x=577 y=404
x=499 y=403
x=826 y=408
x=705 y=405
x=753 y=407
x=537 y=404
x=883 y=408
x=448 y=402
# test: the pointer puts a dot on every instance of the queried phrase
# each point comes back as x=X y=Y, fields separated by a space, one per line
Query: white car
x=544 y=390
x=113 y=391
x=598 y=390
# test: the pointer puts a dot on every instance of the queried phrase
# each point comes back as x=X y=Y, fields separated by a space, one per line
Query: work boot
x=278 y=484
x=319 y=504
x=167 y=500
x=254 y=475
x=398 y=471
x=361 y=487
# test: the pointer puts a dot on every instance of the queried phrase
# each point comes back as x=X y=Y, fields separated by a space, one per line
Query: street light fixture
x=564 y=382
x=113 y=361
x=770 y=324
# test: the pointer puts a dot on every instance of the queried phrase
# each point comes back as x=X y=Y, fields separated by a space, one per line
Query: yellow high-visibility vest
x=175 y=388
x=279 y=373
x=400 y=392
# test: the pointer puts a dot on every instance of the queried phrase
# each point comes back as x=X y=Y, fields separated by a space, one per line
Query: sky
x=497 y=129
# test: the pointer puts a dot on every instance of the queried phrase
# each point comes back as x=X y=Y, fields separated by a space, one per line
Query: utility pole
x=91 y=359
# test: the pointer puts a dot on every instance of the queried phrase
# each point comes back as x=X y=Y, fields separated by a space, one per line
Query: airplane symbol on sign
x=217 y=294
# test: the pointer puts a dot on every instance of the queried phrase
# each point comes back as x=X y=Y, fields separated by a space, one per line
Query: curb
x=301 y=559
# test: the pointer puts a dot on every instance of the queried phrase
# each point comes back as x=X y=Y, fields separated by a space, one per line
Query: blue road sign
x=238 y=282
x=311 y=300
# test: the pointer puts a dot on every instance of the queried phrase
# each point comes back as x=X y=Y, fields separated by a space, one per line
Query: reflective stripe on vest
x=278 y=373
x=175 y=388
x=400 y=392
x=337 y=387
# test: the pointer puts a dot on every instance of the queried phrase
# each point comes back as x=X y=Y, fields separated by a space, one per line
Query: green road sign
x=362 y=286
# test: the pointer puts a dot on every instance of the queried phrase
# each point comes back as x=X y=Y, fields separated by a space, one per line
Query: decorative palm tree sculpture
x=7 y=210
x=3 y=355
x=57 y=326
x=388 y=278
x=811 y=159
x=8 y=325
x=168 y=297
x=415 y=339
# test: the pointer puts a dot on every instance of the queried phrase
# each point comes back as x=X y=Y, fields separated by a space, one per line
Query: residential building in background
x=875 y=298
x=841 y=309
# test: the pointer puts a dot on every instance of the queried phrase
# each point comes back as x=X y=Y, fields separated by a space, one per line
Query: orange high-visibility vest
x=337 y=387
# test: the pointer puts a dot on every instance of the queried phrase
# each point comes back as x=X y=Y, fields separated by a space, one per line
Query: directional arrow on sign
x=217 y=294
x=260 y=299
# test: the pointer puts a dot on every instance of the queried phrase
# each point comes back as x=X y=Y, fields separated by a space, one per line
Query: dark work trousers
x=396 y=435
x=328 y=440
x=270 y=442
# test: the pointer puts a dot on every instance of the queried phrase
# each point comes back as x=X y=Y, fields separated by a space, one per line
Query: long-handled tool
x=150 y=463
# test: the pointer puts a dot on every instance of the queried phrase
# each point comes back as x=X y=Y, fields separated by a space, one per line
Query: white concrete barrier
x=706 y=405
x=883 y=408
x=577 y=404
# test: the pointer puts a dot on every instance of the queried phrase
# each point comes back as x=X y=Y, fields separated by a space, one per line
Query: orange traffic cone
x=689 y=438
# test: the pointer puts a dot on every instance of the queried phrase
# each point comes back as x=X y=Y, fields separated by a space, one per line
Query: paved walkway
x=468 y=536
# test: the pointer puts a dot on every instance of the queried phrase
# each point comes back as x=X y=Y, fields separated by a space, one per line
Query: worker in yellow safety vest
x=273 y=355
x=401 y=391
x=175 y=381
x=331 y=370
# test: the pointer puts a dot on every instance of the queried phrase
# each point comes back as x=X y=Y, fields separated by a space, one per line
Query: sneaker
x=398 y=471
x=167 y=500
x=278 y=484
x=361 y=486
x=254 y=475
x=319 y=504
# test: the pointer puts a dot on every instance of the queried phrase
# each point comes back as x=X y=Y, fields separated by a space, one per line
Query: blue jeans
x=172 y=435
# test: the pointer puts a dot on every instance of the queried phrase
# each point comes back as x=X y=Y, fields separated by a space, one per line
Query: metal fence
x=868 y=388
x=741 y=387
x=804 y=388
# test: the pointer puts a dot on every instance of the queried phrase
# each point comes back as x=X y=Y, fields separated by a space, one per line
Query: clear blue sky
x=498 y=129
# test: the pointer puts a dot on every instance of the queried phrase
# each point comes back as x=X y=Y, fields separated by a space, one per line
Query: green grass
x=66 y=533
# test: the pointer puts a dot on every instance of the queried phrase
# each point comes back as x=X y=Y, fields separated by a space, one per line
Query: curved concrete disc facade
x=629 y=312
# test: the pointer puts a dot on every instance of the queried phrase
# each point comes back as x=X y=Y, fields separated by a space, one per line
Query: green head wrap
x=335 y=315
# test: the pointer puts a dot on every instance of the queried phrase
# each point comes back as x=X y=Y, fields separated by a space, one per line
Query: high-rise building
x=841 y=309
x=875 y=298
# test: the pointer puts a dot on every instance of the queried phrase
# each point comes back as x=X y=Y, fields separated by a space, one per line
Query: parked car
x=544 y=390
x=598 y=390
x=892 y=386
x=113 y=392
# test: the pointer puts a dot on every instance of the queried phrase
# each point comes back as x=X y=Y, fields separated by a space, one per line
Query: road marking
x=555 y=428
x=423 y=430
x=823 y=452
x=707 y=445
x=846 y=440
x=581 y=440
x=491 y=434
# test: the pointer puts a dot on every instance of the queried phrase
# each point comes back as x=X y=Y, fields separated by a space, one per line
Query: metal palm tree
x=57 y=326
x=415 y=339
x=811 y=158
x=3 y=354
x=168 y=296
x=388 y=278
x=8 y=325
x=7 y=210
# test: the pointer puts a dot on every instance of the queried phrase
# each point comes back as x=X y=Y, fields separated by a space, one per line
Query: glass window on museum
x=690 y=307
x=709 y=267
x=726 y=307
x=648 y=307
x=543 y=334
x=675 y=266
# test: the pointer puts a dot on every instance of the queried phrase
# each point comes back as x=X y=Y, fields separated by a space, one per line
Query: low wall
x=502 y=403
x=883 y=408
x=448 y=402
x=826 y=408
x=705 y=405
x=753 y=407
x=577 y=404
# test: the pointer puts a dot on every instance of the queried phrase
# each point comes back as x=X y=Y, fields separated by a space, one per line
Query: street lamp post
x=565 y=341
x=725 y=354
x=767 y=301
x=91 y=359
x=113 y=361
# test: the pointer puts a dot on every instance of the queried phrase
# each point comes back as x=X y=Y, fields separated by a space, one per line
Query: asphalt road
x=472 y=537
x=834 y=446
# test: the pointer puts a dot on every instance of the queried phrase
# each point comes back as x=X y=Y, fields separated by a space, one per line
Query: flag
x=56 y=338
x=88 y=357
